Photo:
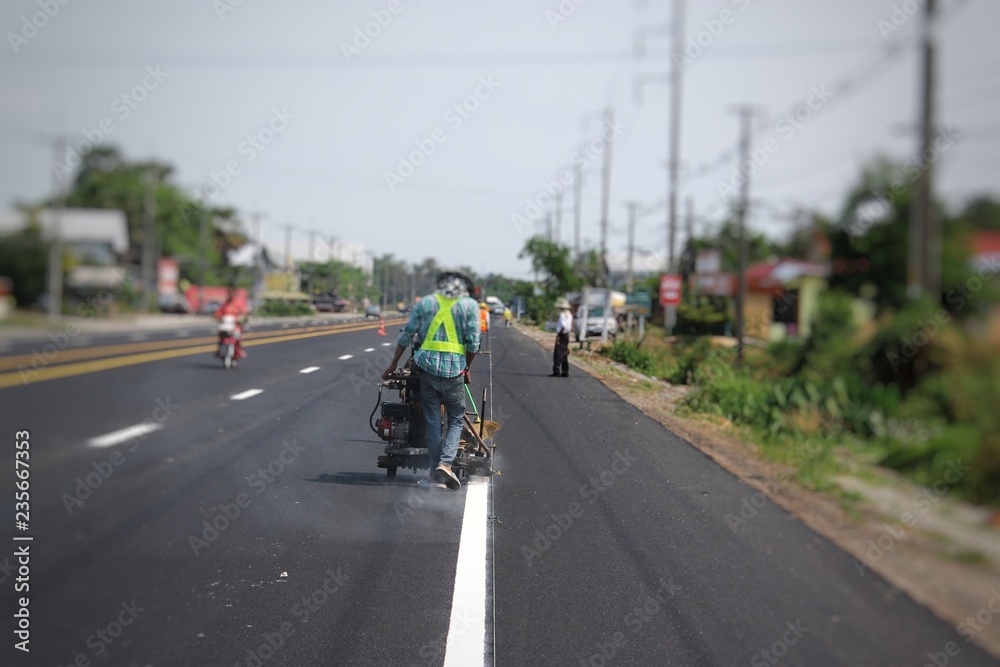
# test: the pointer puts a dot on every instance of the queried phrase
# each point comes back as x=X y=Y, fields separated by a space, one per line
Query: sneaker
x=553 y=375
x=430 y=483
x=447 y=477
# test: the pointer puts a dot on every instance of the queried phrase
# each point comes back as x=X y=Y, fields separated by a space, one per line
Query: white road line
x=311 y=369
x=346 y=357
x=386 y=344
x=369 y=349
x=467 y=628
x=243 y=395
x=124 y=435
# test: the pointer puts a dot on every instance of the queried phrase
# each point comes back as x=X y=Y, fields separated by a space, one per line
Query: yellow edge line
x=69 y=370
x=64 y=356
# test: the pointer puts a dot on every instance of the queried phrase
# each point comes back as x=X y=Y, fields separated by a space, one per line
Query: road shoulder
x=948 y=561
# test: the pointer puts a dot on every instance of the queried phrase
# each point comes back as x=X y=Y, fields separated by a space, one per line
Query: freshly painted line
x=124 y=435
x=386 y=344
x=311 y=369
x=369 y=349
x=346 y=357
x=243 y=395
x=467 y=628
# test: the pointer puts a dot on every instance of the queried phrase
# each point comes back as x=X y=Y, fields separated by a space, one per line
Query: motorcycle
x=230 y=333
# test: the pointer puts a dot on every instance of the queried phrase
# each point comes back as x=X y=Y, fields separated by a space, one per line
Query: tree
x=105 y=179
x=552 y=262
x=24 y=258
x=869 y=247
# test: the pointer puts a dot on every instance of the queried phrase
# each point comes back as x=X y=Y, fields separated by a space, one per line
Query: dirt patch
x=943 y=553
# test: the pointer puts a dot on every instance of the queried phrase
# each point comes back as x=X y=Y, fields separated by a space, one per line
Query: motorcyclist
x=235 y=307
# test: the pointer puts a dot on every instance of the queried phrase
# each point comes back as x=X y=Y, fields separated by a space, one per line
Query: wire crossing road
x=182 y=514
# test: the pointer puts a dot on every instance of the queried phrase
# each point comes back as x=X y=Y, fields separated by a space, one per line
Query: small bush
x=278 y=308
x=631 y=355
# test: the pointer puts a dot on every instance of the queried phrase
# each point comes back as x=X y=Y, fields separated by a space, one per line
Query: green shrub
x=631 y=355
x=279 y=308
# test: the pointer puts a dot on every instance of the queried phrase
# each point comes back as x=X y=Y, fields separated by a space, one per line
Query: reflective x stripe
x=443 y=317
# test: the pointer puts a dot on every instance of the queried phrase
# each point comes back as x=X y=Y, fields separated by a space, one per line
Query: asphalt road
x=244 y=522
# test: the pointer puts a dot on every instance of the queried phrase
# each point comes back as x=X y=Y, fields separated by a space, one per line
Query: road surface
x=182 y=514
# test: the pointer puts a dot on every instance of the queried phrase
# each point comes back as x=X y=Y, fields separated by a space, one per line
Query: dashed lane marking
x=124 y=435
x=243 y=395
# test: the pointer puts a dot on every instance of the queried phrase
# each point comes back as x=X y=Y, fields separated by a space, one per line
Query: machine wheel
x=390 y=471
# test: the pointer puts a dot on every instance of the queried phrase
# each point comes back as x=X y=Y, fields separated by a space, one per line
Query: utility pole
x=558 y=229
x=54 y=287
x=148 y=241
x=689 y=253
x=746 y=127
x=630 y=277
x=609 y=120
x=676 y=91
x=202 y=253
x=288 y=255
x=258 y=257
x=577 y=192
x=676 y=81
x=925 y=229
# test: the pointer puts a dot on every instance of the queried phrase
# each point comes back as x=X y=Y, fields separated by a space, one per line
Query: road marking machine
x=401 y=425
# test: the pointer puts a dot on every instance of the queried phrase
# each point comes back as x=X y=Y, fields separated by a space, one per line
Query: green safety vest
x=443 y=317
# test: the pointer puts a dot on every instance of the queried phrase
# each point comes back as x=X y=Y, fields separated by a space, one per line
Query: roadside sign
x=641 y=303
x=670 y=290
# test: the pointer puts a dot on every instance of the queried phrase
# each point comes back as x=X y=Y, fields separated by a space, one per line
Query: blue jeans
x=434 y=392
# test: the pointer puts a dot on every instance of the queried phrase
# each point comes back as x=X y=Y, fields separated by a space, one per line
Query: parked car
x=325 y=305
x=372 y=311
x=175 y=303
x=209 y=307
x=595 y=324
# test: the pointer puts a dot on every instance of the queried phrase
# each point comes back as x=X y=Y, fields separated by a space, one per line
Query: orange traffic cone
x=381 y=326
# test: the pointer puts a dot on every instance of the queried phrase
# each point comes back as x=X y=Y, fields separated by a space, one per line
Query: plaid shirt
x=443 y=364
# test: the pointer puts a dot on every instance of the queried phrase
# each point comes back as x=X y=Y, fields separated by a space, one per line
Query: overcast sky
x=338 y=119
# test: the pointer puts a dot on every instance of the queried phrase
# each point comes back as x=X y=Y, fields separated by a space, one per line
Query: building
x=95 y=241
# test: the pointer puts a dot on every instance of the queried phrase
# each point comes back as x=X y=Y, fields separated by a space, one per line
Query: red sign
x=168 y=273
x=670 y=290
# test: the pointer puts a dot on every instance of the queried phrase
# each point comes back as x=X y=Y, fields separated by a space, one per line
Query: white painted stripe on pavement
x=346 y=357
x=467 y=628
x=369 y=349
x=243 y=395
x=311 y=369
x=124 y=435
x=386 y=344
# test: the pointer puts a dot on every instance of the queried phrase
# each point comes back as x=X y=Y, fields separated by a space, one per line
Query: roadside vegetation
x=919 y=409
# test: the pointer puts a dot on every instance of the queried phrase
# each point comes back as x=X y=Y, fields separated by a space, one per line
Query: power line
x=411 y=60
x=847 y=87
